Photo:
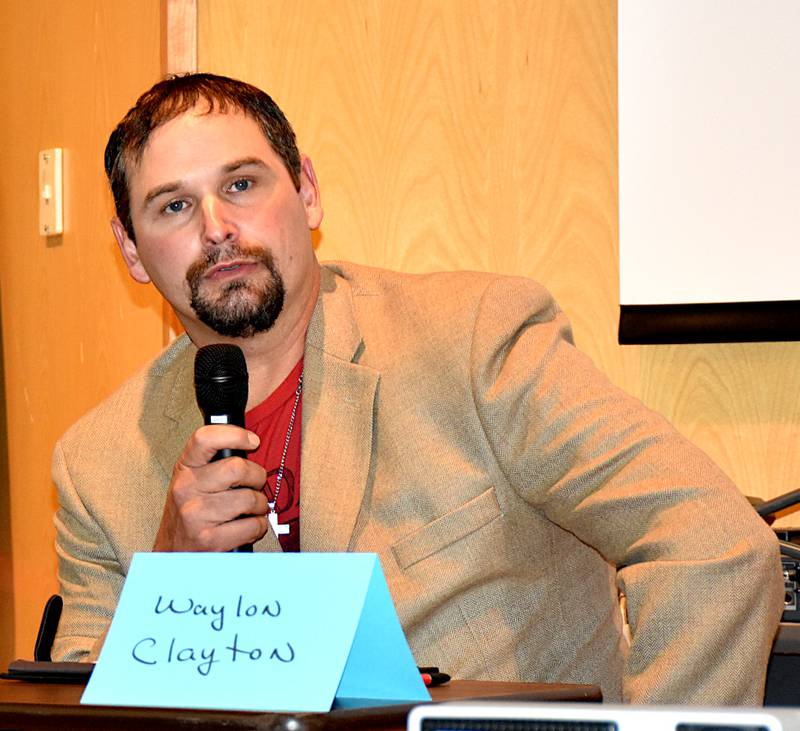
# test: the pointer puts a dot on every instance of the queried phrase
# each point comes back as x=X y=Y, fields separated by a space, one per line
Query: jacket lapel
x=175 y=390
x=338 y=405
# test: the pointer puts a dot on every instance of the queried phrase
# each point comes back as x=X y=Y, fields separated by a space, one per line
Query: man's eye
x=241 y=185
x=175 y=206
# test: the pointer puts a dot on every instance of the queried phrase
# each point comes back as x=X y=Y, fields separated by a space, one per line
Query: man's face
x=220 y=229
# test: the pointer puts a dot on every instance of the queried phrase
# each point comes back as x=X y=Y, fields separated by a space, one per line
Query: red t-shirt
x=270 y=420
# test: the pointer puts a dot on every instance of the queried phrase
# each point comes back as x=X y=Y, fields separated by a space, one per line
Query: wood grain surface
x=179 y=36
x=74 y=324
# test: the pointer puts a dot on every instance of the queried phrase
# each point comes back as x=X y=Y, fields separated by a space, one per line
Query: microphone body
x=221 y=387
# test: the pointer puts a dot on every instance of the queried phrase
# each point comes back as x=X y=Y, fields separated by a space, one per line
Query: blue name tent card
x=255 y=632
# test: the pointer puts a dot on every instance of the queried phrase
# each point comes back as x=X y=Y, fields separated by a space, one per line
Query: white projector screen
x=709 y=151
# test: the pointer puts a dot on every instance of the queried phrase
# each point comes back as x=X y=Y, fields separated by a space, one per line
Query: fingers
x=230 y=535
x=216 y=477
x=237 y=533
x=209 y=439
x=194 y=470
x=222 y=507
x=218 y=521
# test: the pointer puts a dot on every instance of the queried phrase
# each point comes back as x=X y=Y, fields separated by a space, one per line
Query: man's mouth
x=219 y=271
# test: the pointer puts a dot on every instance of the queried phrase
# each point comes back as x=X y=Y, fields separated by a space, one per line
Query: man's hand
x=201 y=512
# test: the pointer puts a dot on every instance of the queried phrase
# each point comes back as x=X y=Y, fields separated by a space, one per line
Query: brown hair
x=178 y=94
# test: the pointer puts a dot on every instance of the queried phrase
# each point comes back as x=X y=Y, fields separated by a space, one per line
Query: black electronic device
x=790 y=565
x=791 y=593
x=789 y=548
x=221 y=386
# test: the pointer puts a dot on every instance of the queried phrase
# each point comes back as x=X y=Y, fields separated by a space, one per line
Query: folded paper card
x=255 y=632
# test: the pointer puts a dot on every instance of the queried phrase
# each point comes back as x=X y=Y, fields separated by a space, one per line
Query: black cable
x=779 y=503
x=791 y=550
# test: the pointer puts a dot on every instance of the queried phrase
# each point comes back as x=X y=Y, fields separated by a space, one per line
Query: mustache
x=231 y=251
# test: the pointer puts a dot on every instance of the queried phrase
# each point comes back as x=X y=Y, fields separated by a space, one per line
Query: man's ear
x=129 y=252
x=309 y=193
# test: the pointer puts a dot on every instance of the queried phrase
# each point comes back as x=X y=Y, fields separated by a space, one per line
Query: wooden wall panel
x=738 y=402
x=448 y=134
x=74 y=324
x=479 y=134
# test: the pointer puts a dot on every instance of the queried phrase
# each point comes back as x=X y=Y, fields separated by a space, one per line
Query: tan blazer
x=509 y=489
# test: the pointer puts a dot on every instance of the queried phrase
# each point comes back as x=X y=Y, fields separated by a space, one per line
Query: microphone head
x=221 y=381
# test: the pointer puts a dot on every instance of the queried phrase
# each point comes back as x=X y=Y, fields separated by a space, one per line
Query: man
x=445 y=422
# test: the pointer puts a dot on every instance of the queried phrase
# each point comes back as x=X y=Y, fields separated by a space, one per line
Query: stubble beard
x=241 y=307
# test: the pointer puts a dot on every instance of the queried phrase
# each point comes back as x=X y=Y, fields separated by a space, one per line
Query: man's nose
x=218 y=225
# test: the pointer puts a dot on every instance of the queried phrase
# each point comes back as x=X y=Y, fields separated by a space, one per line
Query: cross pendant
x=279 y=529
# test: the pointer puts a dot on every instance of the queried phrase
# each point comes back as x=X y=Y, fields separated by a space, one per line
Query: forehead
x=195 y=144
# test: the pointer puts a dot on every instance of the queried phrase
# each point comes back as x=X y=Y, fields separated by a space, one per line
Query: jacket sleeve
x=699 y=569
x=88 y=571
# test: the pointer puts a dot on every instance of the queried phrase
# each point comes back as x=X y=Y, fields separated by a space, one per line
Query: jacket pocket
x=447 y=529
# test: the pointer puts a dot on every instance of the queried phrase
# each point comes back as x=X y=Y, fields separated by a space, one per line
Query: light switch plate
x=51 y=192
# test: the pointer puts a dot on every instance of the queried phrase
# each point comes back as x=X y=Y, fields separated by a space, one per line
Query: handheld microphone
x=221 y=388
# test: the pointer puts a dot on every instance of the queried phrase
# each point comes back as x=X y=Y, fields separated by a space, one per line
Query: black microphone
x=221 y=388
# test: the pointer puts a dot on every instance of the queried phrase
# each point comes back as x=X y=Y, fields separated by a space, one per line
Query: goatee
x=242 y=307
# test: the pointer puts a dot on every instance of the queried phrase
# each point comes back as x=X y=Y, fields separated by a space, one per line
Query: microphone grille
x=220 y=379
